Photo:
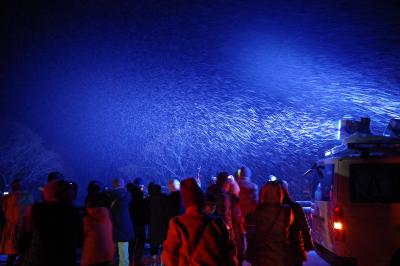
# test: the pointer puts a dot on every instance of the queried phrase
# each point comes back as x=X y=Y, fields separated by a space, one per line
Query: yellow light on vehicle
x=338 y=226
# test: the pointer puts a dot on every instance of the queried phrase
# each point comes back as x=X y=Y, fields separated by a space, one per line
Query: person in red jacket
x=98 y=245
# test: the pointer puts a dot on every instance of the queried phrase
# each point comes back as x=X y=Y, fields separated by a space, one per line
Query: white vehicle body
x=355 y=212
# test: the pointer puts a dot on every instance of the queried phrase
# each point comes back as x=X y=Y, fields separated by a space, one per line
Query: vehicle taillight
x=338 y=224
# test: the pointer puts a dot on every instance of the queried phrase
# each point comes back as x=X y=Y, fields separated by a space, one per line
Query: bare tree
x=173 y=155
x=24 y=156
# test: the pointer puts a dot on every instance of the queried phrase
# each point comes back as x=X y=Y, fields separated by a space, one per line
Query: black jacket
x=138 y=213
x=175 y=206
x=157 y=205
x=57 y=231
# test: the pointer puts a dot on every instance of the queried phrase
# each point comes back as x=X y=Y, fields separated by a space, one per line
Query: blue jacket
x=120 y=217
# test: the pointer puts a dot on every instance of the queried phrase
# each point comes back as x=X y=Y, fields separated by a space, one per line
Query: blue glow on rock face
x=160 y=90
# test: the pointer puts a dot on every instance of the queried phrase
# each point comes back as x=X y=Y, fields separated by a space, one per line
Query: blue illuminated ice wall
x=164 y=90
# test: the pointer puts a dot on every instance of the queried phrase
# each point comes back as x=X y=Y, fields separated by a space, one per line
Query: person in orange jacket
x=195 y=238
x=14 y=206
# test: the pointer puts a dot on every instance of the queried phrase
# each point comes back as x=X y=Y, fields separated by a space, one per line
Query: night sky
x=161 y=88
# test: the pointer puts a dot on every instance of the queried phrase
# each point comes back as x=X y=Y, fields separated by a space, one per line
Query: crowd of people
x=230 y=222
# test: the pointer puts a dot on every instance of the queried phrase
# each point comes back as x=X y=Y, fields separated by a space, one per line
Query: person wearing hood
x=268 y=228
x=55 y=227
x=14 y=206
x=248 y=191
x=194 y=238
x=98 y=245
x=122 y=224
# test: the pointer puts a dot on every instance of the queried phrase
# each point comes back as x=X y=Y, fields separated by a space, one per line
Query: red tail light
x=338 y=224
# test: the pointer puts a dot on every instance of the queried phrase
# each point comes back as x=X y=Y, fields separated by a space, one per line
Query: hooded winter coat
x=195 y=239
x=98 y=245
x=268 y=228
x=268 y=239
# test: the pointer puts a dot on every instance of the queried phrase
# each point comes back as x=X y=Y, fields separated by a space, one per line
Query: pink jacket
x=98 y=245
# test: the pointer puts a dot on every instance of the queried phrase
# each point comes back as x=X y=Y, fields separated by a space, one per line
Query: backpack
x=212 y=245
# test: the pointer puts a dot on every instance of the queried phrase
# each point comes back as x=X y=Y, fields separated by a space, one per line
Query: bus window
x=375 y=183
x=323 y=182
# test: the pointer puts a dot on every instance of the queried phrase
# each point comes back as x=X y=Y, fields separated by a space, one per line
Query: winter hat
x=94 y=186
x=118 y=182
x=244 y=172
x=192 y=195
x=271 y=193
x=223 y=178
x=59 y=190
x=54 y=176
x=138 y=181
x=154 y=189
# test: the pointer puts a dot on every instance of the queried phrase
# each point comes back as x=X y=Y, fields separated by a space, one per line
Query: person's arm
x=305 y=229
x=172 y=245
